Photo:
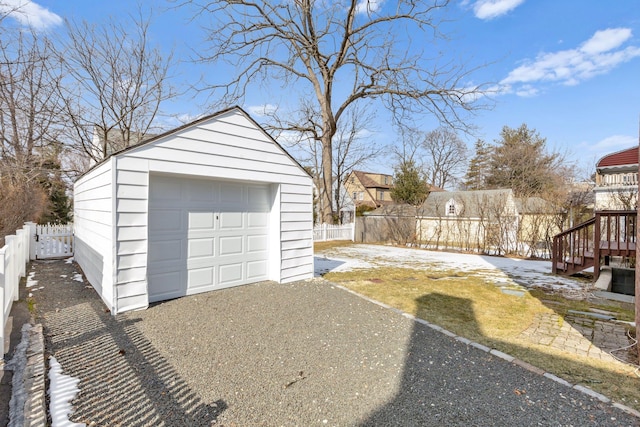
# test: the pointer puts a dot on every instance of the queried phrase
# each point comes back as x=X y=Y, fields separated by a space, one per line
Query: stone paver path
x=582 y=336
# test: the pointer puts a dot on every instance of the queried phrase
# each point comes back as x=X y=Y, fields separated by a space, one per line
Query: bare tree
x=352 y=147
x=29 y=109
x=338 y=54
x=115 y=84
x=624 y=199
x=446 y=156
x=29 y=127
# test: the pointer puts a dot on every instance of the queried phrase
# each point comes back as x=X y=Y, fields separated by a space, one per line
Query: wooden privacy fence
x=324 y=232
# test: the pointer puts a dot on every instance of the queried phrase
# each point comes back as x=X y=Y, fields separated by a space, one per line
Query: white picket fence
x=54 y=241
x=14 y=256
x=30 y=242
x=324 y=232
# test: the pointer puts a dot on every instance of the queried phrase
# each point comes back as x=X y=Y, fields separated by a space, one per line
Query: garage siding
x=296 y=234
x=227 y=147
x=93 y=233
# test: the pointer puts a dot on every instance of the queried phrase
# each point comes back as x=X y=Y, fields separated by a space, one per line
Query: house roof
x=203 y=119
x=534 y=205
x=470 y=203
x=619 y=158
x=370 y=182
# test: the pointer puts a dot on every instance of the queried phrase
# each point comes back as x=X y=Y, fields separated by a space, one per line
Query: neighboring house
x=369 y=189
x=617 y=181
x=486 y=221
x=538 y=222
x=469 y=220
x=341 y=203
x=212 y=204
x=347 y=206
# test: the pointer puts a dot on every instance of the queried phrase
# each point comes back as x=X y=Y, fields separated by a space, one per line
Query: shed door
x=205 y=235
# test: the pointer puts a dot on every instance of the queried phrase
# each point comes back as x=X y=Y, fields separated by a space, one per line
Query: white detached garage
x=212 y=204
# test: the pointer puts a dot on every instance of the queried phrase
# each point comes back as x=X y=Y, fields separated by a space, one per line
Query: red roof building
x=617 y=180
x=620 y=158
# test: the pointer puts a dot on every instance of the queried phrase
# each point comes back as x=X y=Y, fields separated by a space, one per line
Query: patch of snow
x=77 y=277
x=500 y=270
x=18 y=393
x=62 y=390
x=64 y=276
x=30 y=281
x=69 y=260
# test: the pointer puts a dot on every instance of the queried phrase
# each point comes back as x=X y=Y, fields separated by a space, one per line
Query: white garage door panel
x=230 y=274
x=199 y=248
x=165 y=286
x=231 y=220
x=201 y=220
x=200 y=278
x=206 y=235
x=257 y=219
x=164 y=250
x=256 y=269
x=167 y=220
x=257 y=243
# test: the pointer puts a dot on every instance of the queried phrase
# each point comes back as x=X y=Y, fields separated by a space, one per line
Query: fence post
x=11 y=272
x=32 y=239
x=3 y=284
x=26 y=235
x=324 y=232
x=21 y=262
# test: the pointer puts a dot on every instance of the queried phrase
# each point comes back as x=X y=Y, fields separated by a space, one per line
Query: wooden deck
x=608 y=233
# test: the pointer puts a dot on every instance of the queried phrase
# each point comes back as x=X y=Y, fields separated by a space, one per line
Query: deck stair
x=607 y=234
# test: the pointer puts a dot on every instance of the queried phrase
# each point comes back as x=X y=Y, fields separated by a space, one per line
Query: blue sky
x=569 y=69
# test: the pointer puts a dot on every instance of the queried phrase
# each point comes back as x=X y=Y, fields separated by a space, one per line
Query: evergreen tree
x=520 y=161
x=476 y=176
x=409 y=184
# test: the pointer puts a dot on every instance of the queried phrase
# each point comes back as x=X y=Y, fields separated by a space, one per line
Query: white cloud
x=368 y=6
x=605 y=40
x=598 y=55
x=613 y=143
x=262 y=110
x=489 y=9
x=29 y=14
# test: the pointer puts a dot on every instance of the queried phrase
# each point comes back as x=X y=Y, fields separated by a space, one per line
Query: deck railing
x=608 y=233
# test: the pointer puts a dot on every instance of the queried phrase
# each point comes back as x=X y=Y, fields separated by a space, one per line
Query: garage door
x=205 y=235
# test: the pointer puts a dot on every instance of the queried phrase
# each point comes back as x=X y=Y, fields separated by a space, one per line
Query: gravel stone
x=299 y=354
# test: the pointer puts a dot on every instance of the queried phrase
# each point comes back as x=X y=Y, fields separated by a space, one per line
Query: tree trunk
x=327 y=178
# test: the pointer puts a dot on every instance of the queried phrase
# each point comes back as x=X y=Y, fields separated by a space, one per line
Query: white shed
x=209 y=205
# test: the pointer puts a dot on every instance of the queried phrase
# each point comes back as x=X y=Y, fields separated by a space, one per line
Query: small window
x=361 y=195
x=382 y=195
x=450 y=209
x=386 y=180
x=355 y=195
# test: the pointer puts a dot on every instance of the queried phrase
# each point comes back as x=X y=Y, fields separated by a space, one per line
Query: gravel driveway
x=300 y=354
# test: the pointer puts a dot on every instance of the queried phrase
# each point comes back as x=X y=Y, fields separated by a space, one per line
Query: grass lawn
x=474 y=308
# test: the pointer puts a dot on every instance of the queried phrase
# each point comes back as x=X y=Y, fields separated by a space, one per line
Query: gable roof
x=154 y=138
x=619 y=158
x=368 y=182
x=534 y=205
x=471 y=203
